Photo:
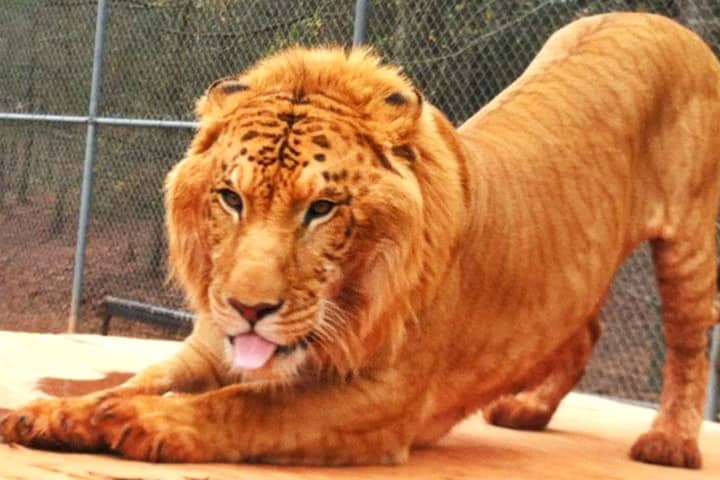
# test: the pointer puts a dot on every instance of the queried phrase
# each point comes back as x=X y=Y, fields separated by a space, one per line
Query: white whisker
x=334 y=329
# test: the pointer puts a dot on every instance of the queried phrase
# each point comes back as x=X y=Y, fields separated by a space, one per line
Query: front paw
x=56 y=423
x=663 y=448
x=155 y=429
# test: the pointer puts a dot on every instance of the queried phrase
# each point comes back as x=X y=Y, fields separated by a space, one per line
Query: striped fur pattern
x=455 y=270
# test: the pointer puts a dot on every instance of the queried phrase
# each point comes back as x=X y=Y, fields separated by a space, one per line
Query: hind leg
x=686 y=276
x=533 y=408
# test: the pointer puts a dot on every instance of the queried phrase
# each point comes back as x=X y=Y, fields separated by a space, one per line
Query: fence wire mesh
x=160 y=55
x=40 y=175
x=46 y=53
x=126 y=254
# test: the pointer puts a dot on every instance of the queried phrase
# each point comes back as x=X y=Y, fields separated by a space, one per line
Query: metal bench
x=144 y=312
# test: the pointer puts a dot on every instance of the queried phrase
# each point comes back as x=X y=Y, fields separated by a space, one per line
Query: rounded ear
x=217 y=93
x=397 y=113
x=187 y=187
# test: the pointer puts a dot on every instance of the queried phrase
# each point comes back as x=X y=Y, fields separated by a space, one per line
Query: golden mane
x=357 y=76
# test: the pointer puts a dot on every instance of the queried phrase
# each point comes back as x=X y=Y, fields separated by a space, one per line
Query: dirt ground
x=36 y=271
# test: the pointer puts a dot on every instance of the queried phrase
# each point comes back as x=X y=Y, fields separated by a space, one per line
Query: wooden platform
x=588 y=438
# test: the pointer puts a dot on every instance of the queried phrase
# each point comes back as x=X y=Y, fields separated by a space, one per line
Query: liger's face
x=298 y=208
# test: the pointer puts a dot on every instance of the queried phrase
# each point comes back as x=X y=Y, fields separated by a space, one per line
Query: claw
x=106 y=411
x=65 y=422
x=24 y=425
x=124 y=433
x=156 y=452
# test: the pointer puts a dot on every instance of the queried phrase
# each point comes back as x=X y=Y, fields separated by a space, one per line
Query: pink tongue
x=251 y=351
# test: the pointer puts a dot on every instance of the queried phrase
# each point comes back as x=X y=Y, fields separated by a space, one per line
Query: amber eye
x=318 y=209
x=231 y=200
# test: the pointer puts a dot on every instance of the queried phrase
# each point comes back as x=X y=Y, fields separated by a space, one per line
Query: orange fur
x=461 y=269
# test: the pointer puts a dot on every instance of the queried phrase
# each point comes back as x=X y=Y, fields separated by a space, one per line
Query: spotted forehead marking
x=321 y=141
x=288 y=144
x=298 y=134
x=249 y=135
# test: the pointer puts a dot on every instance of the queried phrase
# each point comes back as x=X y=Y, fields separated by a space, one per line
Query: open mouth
x=251 y=351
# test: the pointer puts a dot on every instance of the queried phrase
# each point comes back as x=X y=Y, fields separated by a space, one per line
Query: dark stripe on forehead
x=249 y=135
x=249 y=115
x=333 y=120
x=268 y=123
x=338 y=109
x=290 y=118
x=404 y=151
x=299 y=98
x=321 y=101
x=287 y=155
x=365 y=139
x=312 y=128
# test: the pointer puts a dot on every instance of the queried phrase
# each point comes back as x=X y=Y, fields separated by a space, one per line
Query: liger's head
x=291 y=218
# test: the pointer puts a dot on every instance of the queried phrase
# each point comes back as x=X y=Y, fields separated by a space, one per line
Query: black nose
x=254 y=313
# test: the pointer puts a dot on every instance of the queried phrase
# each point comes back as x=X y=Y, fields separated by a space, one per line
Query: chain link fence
x=159 y=55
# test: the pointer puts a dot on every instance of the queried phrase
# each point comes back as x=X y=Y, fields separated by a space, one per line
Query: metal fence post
x=86 y=191
x=711 y=406
x=360 y=26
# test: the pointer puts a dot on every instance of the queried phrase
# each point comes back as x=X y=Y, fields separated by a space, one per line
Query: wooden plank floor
x=588 y=438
